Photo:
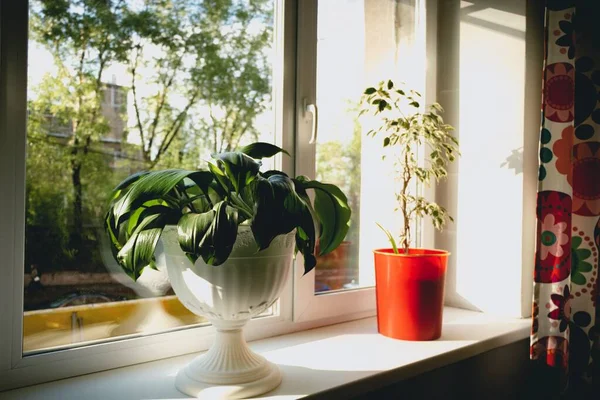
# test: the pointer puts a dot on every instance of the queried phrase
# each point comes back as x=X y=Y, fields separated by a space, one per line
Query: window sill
x=312 y=361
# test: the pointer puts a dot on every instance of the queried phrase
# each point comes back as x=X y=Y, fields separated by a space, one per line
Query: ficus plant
x=208 y=205
x=403 y=125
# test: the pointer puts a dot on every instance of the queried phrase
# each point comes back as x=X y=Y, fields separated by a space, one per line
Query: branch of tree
x=79 y=92
x=98 y=90
x=226 y=137
x=239 y=136
x=213 y=126
x=161 y=103
x=174 y=129
x=135 y=100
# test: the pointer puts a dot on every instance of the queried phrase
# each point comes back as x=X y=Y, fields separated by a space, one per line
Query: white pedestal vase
x=228 y=295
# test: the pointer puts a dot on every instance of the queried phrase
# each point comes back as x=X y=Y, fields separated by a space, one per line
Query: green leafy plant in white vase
x=226 y=236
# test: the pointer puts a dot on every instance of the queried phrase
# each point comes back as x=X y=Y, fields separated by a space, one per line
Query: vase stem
x=229 y=363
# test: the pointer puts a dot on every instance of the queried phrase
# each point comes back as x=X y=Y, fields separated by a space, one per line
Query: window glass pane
x=359 y=44
x=116 y=87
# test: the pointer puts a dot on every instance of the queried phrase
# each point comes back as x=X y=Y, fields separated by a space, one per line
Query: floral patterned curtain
x=566 y=319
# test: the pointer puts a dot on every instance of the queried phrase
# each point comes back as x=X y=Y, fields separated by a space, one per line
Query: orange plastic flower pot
x=410 y=293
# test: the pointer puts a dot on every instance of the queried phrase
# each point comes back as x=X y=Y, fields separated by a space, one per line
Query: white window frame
x=17 y=370
x=354 y=303
x=308 y=306
x=294 y=77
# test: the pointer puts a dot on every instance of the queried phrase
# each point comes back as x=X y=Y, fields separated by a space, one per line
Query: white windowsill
x=311 y=361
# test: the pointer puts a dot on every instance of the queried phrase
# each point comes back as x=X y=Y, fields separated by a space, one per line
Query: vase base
x=187 y=385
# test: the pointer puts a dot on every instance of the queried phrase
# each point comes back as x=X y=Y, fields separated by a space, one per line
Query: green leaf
x=131 y=179
x=225 y=185
x=305 y=232
x=191 y=229
x=390 y=238
x=272 y=172
x=202 y=179
x=584 y=266
x=138 y=252
x=118 y=190
x=279 y=209
x=370 y=90
x=142 y=199
x=382 y=105
x=149 y=209
x=209 y=186
x=390 y=84
x=305 y=242
x=578 y=279
x=414 y=104
x=261 y=150
x=220 y=238
x=209 y=235
x=583 y=254
x=148 y=187
x=264 y=224
x=239 y=168
x=110 y=227
x=332 y=212
x=248 y=195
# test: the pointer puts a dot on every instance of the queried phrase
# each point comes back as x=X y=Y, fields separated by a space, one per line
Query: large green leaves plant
x=208 y=205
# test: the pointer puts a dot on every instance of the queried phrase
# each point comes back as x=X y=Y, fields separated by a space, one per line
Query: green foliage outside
x=339 y=163
x=198 y=77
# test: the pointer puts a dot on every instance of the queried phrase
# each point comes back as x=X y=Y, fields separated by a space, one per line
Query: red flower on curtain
x=581 y=165
x=563 y=150
x=585 y=179
x=553 y=255
x=563 y=311
x=553 y=237
x=559 y=92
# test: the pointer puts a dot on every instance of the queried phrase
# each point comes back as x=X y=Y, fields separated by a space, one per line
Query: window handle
x=312 y=108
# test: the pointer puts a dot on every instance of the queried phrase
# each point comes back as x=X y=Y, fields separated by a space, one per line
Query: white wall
x=489 y=62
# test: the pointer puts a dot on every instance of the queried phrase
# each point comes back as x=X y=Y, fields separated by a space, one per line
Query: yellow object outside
x=55 y=328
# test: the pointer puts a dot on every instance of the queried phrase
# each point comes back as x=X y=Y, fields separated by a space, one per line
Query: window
x=340 y=76
x=347 y=46
x=197 y=82
x=163 y=98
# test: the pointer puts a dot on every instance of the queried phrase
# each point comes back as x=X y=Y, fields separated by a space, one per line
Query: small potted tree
x=226 y=236
x=410 y=281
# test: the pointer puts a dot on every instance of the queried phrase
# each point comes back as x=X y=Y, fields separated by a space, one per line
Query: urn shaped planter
x=228 y=295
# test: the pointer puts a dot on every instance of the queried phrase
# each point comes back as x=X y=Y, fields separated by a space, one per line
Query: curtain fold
x=566 y=315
